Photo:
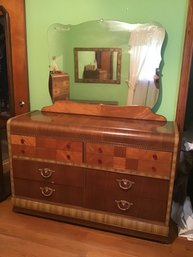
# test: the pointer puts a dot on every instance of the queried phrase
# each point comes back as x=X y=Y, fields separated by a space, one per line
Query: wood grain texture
x=122 y=141
x=185 y=71
x=23 y=235
x=130 y=112
x=16 y=12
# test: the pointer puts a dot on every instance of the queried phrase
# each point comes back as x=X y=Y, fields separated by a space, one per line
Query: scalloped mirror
x=109 y=61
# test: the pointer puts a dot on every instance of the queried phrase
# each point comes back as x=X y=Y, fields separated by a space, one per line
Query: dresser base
x=93 y=219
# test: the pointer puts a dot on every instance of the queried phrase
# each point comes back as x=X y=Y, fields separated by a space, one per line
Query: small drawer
x=150 y=155
x=49 y=172
x=23 y=150
x=68 y=145
x=155 y=168
x=69 y=157
x=48 y=192
x=22 y=140
x=33 y=152
x=100 y=149
x=59 y=143
x=99 y=160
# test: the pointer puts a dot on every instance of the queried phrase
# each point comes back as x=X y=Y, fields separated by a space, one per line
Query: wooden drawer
x=47 y=148
x=99 y=160
x=22 y=140
x=48 y=192
x=130 y=195
x=50 y=172
x=105 y=155
x=127 y=158
x=105 y=149
x=60 y=144
x=150 y=155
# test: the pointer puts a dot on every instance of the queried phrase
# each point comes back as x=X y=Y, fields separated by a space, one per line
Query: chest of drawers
x=110 y=173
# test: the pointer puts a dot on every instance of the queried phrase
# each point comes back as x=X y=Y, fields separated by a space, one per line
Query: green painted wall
x=40 y=14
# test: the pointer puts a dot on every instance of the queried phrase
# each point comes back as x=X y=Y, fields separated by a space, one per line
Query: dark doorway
x=4 y=90
x=5 y=99
x=188 y=122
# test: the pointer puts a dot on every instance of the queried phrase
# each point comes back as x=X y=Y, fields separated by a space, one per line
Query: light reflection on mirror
x=135 y=79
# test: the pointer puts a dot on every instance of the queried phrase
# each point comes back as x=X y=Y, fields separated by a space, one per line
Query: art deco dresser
x=94 y=165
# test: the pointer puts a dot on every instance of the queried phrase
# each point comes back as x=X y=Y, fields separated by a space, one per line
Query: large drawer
x=129 y=195
x=48 y=192
x=49 y=172
x=128 y=158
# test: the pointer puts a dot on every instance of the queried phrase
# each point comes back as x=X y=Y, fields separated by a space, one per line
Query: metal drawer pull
x=47 y=191
x=46 y=172
x=123 y=205
x=125 y=183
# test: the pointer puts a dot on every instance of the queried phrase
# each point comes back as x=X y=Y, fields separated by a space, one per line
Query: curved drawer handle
x=125 y=184
x=123 y=205
x=47 y=191
x=46 y=172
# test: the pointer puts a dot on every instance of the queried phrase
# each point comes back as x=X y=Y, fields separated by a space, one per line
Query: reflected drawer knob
x=46 y=172
x=153 y=169
x=47 y=191
x=123 y=205
x=125 y=184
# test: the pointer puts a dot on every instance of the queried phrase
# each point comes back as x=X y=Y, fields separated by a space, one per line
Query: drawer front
x=60 y=144
x=100 y=149
x=127 y=158
x=48 y=192
x=150 y=155
x=154 y=168
x=127 y=194
x=47 y=148
x=48 y=172
x=99 y=160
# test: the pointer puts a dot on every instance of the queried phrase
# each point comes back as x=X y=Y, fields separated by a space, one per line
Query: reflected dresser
x=95 y=165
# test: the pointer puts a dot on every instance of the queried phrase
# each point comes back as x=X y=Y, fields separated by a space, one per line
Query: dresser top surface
x=93 y=122
x=93 y=128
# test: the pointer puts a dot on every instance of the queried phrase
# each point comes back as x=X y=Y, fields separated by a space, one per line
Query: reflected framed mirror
x=97 y=65
x=109 y=60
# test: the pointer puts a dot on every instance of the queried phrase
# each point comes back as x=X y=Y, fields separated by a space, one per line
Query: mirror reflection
x=100 y=65
x=109 y=61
